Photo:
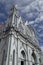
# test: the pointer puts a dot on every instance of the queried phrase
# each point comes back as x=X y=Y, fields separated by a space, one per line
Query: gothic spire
x=13 y=15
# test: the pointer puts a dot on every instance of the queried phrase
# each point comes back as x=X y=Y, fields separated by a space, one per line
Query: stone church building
x=18 y=42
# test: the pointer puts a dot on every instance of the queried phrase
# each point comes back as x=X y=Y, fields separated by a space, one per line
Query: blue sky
x=31 y=10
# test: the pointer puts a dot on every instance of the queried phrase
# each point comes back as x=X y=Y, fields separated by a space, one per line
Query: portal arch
x=34 y=58
x=23 y=58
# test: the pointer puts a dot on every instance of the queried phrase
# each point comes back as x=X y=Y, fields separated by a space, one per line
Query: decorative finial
x=26 y=23
x=19 y=20
x=14 y=7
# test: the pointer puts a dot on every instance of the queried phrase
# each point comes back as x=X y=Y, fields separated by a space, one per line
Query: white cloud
x=41 y=18
x=31 y=22
x=35 y=9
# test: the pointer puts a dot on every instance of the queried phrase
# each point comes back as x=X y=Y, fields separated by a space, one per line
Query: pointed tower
x=13 y=16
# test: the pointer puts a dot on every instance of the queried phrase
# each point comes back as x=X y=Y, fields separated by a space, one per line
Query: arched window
x=13 y=63
x=39 y=60
x=3 y=57
x=23 y=58
x=34 y=59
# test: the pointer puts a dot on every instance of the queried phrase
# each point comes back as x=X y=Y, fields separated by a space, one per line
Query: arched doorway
x=23 y=58
x=34 y=59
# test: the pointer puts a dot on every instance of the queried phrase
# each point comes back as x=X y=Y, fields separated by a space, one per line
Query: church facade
x=18 y=42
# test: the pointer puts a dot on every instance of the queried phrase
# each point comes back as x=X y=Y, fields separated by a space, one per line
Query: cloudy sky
x=31 y=10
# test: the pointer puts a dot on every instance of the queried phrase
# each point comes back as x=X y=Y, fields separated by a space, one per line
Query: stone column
x=16 y=63
x=29 y=54
x=27 y=63
x=8 y=52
